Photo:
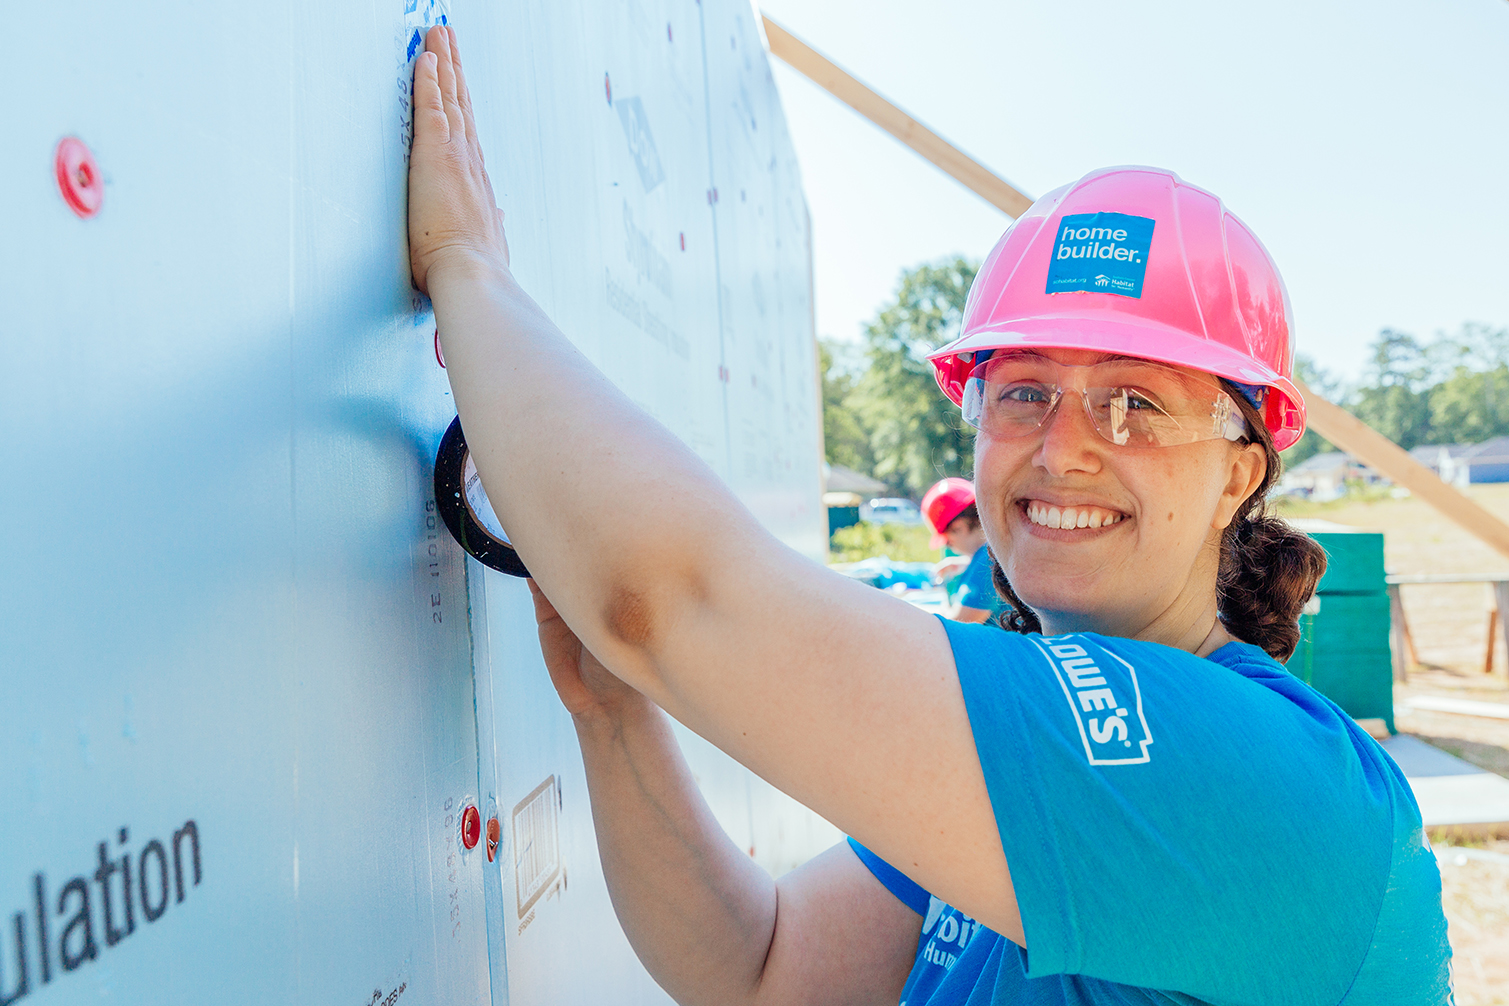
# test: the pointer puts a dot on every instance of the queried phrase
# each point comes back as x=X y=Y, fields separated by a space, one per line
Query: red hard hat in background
x=1136 y=262
x=945 y=501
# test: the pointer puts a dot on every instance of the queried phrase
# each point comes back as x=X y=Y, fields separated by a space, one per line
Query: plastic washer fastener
x=494 y=835
x=78 y=177
x=471 y=827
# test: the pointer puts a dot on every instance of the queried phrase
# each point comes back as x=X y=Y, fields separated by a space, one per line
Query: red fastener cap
x=494 y=832
x=79 y=177
x=471 y=827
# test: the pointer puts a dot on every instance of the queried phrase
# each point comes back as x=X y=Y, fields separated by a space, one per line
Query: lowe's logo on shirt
x=1103 y=694
x=1100 y=252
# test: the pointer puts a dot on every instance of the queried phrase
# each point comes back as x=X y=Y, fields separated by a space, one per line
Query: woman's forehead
x=1090 y=358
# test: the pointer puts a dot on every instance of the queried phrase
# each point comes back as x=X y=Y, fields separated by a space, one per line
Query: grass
x=897 y=542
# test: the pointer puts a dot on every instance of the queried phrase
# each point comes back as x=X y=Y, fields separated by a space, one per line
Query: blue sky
x=1366 y=143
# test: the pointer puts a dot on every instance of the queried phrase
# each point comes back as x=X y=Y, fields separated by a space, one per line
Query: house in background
x=1324 y=477
x=1488 y=461
x=1449 y=461
x=1461 y=464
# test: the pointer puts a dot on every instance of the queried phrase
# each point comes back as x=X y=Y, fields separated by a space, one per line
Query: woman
x=1135 y=805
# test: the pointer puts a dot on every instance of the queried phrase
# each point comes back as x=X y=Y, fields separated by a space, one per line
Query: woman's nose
x=1070 y=442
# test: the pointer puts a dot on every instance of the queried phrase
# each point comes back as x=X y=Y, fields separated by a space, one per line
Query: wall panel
x=227 y=599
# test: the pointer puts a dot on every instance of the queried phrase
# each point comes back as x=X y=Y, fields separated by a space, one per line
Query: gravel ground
x=1475 y=894
x=1474 y=889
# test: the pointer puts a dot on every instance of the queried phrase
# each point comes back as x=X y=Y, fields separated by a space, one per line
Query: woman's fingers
x=429 y=111
x=438 y=41
x=452 y=215
x=463 y=94
x=544 y=611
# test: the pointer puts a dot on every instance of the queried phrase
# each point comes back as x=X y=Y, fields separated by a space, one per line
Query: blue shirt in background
x=1180 y=830
x=976 y=587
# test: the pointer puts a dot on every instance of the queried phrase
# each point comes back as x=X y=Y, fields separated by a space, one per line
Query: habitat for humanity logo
x=1103 y=694
x=1100 y=252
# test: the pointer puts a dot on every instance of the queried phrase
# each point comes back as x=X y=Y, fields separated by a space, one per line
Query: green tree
x=1470 y=403
x=846 y=440
x=915 y=437
x=1476 y=346
x=1397 y=403
x=1471 y=406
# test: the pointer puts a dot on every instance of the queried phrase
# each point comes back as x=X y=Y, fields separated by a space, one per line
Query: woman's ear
x=1249 y=466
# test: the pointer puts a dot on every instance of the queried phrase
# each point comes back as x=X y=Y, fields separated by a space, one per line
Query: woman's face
x=1148 y=566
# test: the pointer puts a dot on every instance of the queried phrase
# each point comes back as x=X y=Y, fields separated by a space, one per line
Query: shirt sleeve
x=1170 y=823
x=898 y=883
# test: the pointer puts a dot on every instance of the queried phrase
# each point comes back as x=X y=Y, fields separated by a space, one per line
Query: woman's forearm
x=698 y=911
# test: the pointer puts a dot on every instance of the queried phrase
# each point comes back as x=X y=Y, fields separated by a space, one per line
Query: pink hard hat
x=945 y=501
x=1137 y=262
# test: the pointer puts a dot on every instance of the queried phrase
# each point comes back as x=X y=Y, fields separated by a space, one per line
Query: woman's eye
x=1025 y=394
x=1138 y=402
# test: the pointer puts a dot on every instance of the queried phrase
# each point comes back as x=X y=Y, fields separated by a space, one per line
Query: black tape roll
x=464 y=507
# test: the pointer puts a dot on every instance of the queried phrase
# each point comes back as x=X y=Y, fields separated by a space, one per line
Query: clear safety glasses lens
x=1130 y=403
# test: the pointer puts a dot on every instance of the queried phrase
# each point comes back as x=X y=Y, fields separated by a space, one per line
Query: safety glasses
x=1131 y=403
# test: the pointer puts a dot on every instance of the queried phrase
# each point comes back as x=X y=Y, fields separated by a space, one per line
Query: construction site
x=273 y=706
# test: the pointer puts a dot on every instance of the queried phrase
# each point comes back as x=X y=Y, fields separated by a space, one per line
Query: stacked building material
x=1344 y=645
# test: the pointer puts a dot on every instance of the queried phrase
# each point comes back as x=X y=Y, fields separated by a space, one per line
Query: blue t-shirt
x=977 y=589
x=1180 y=830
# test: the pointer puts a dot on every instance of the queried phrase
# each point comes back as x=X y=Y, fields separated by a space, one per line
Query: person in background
x=949 y=507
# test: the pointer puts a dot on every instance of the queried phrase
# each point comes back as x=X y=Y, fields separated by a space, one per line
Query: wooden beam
x=1401 y=643
x=1390 y=460
x=970 y=173
x=1493 y=622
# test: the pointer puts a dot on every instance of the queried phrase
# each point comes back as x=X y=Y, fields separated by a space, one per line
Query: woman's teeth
x=1071 y=517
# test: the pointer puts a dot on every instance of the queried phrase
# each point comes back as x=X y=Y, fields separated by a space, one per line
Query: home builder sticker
x=1100 y=253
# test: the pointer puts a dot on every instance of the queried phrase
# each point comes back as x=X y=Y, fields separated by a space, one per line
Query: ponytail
x=1268 y=570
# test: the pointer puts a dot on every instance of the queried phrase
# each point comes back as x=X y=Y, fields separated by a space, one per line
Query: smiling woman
x=1129 y=789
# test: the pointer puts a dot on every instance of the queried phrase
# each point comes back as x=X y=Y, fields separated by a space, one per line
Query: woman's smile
x=1045 y=515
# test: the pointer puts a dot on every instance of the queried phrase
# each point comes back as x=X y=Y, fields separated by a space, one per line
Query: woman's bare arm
x=708 y=923
x=839 y=695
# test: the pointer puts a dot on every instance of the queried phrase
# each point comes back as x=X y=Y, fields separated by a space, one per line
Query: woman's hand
x=453 y=215
x=585 y=686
